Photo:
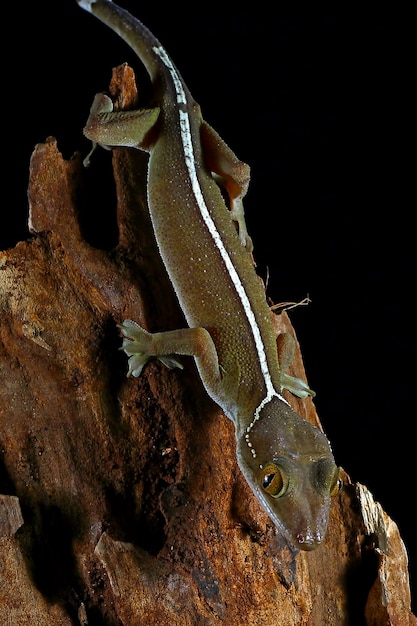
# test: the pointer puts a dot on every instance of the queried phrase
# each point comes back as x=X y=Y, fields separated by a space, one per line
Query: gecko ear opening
x=274 y=480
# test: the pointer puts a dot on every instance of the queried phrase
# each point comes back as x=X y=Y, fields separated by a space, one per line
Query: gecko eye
x=327 y=477
x=337 y=484
x=274 y=481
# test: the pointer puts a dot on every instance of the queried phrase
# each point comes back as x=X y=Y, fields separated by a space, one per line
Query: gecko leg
x=286 y=350
x=110 y=128
x=231 y=174
x=140 y=346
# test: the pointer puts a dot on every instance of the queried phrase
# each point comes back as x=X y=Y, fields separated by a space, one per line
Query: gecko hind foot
x=138 y=345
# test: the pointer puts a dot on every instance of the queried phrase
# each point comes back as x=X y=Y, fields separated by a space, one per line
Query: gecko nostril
x=308 y=542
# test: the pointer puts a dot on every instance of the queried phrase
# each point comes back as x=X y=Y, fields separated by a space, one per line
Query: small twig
x=286 y=306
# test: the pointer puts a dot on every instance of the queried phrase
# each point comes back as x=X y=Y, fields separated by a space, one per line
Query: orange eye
x=273 y=480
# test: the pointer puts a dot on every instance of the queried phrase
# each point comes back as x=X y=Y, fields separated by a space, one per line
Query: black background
x=321 y=104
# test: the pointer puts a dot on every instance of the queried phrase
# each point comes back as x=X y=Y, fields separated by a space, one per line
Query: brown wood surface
x=122 y=502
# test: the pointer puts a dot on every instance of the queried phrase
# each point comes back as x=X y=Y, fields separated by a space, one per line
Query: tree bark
x=122 y=500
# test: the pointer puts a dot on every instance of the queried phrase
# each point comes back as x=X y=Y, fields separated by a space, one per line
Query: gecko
x=195 y=191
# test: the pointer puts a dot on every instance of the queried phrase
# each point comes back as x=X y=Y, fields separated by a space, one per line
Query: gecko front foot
x=297 y=386
x=238 y=215
x=139 y=346
x=286 y=350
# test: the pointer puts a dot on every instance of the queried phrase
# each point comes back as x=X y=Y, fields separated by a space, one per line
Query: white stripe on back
x=190 y=162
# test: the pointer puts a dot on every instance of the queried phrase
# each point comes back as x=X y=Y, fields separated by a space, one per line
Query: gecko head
x=290 y=467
